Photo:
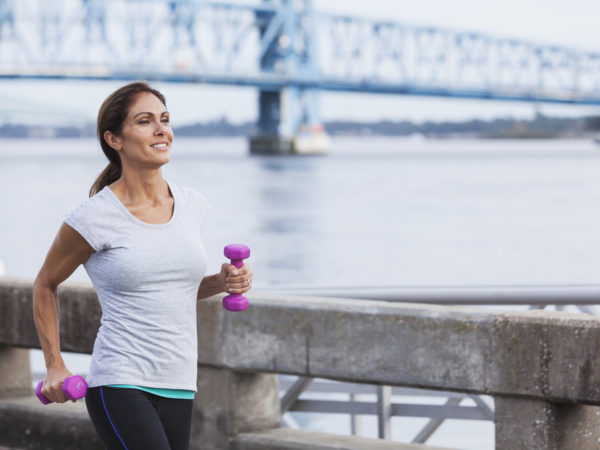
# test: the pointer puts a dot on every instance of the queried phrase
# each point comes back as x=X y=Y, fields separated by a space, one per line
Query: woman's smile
x=161 y=145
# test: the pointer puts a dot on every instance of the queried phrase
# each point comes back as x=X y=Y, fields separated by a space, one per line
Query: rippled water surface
x=374 y=212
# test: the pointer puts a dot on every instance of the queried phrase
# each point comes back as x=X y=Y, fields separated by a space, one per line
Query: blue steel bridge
x=286 y=49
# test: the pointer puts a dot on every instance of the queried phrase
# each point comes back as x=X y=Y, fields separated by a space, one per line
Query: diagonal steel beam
x=295 y=391
x=433 y=424
x=487 y=411
x=271 y=32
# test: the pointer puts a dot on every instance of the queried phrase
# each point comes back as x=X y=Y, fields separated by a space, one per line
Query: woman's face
x=146 y=137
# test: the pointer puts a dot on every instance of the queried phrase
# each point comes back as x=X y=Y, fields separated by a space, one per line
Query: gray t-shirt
x=146 y=277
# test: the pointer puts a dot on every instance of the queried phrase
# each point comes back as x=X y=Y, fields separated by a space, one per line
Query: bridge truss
x=286 y=49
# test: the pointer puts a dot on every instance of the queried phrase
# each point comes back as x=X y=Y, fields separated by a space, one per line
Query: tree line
x=539 y=127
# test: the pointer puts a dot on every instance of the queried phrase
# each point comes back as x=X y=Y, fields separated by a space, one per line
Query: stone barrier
x=541 y=367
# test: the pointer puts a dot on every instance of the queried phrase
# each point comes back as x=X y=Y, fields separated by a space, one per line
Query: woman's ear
x=113 y=141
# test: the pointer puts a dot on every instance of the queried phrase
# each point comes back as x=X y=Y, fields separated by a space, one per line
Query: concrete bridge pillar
x=523 y=424
x=15 y=372
x=288 y=119
x=229 y=402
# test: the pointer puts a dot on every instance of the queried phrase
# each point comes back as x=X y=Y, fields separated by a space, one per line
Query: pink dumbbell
x=74 y=388
x=236 y=253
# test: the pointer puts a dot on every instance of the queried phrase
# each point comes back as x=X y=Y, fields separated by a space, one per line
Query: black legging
x=133 y=419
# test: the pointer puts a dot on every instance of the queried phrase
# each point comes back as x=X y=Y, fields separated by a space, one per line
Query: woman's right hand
x=53 y=384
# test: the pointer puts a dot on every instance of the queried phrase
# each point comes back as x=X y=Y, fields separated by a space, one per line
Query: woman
x=138 y=238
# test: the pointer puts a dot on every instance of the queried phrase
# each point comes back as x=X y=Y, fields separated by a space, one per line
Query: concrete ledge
x=543 y=355
x=291 y=439
x=26 y=423
x=546 y=355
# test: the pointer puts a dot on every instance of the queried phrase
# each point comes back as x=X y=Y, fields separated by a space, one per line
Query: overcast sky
x=572 y=23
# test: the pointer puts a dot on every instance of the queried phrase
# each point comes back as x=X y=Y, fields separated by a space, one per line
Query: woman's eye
x=166 y=120
x=144 y=121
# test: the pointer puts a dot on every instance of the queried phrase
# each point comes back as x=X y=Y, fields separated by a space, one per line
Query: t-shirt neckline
x=112 y=196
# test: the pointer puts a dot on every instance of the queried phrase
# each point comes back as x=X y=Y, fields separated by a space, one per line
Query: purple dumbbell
x=236 y=253
x=74 y=388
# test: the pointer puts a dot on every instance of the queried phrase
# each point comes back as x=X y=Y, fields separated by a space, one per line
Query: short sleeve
x=82 y=220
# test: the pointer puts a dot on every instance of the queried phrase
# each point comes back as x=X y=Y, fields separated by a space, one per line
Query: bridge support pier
x=523 y=424
x=288 y=124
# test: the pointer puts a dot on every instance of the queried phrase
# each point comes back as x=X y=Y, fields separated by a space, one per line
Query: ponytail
x=109 y=175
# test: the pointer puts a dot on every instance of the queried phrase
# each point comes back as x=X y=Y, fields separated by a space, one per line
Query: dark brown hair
x=111 y=116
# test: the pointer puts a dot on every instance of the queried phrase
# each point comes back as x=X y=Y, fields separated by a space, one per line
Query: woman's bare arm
x=67 y=252
x=230 y=280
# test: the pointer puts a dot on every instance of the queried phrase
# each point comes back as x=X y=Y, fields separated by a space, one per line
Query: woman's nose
x=161 y=128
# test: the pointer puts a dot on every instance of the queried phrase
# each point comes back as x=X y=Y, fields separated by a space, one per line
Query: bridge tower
x=288 y=119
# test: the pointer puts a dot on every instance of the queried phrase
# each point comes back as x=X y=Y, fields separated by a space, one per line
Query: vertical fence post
x=384 y=412
x=355 y=421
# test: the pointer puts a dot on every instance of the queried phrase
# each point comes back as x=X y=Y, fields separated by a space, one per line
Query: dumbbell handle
x=238 y=263
x=74 y=387
x=237 y=253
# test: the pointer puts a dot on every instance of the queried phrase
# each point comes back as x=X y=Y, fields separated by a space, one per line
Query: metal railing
x=383 y=407
x=560 y=294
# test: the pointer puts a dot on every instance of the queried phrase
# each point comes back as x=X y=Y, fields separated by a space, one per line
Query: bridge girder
x=282 y=47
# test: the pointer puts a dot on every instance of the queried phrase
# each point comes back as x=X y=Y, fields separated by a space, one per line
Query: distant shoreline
x=540 y=127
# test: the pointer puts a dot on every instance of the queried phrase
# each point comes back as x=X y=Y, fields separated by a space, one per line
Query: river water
x=378 y=212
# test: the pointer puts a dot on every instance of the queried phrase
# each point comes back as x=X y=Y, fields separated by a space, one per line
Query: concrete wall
x=527 y=358
x=537 y=354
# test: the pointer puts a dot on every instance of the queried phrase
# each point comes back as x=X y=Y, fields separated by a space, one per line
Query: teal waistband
x=169 y=393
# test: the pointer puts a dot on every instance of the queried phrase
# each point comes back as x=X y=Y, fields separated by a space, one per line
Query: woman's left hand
x=236 y=281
